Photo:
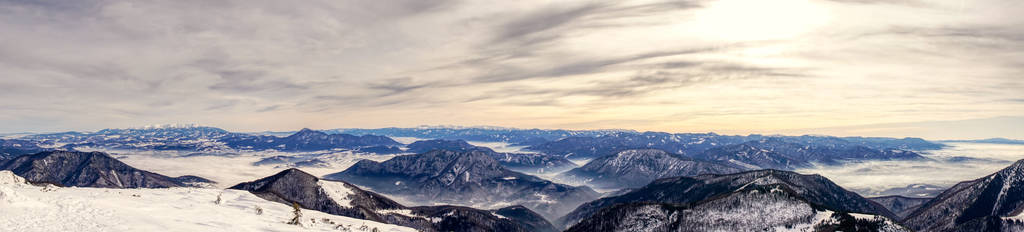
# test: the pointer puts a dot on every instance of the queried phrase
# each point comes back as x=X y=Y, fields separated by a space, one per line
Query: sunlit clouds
x=730 y=66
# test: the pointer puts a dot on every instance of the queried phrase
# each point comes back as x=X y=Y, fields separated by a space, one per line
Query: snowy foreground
x=25 y=207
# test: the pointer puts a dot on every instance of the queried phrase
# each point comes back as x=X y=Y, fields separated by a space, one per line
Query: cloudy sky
x=845 y=67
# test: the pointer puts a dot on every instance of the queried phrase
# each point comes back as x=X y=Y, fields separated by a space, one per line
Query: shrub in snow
x=298 y=214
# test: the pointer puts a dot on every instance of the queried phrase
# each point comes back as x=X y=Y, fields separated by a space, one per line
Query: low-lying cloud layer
x=959 y=162
x=724 y=65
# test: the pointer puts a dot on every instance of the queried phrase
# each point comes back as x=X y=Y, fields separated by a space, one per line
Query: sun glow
x=744 y=20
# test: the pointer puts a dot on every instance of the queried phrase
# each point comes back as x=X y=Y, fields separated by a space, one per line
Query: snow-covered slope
x=991 y=203
x=29 y=208
x=760 y=208
x=89 y=169
x=294 y=186
x=813 y=189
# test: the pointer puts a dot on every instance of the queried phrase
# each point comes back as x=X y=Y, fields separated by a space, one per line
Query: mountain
x=381 y=149
x=275 y=160
x=778 y=153
x=636 y=168
x=465 y=178
x=750 y=156
x=89 y=169
x=10 y=148
x=990 y=140
x=525 y=162
x=912 y=190
x=170 y=137
x=592 y=147
x=991 y=203
x=692 y=144
x=483 y=134
x=526 y=217
x=900 y=205
x=308 y=140
x=533 y=162
x=814 y=189
x=878 y=143
x=423 y=146
x=773 y=207
x=341 y=198
x=195 y=181
x=200 y=138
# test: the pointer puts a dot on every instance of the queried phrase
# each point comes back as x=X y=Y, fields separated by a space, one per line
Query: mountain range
x=90 y=169
x=341 y=198
x=10 y=148
x=777 y=153
x=664 y=191
x=991 y=203
x=693 y=144
x=525 y=162
x=466 y=178
x=198 y=138
x=688 y=192
x=636 y=168
x=483 y=134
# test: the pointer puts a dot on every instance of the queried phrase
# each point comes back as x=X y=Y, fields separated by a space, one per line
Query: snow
x=1019 y=216
x=498 y=215
x=403 y=212
x=9 y=178
x=338 y=192
x=406 y=140
x=175 y=209
x=745 y=165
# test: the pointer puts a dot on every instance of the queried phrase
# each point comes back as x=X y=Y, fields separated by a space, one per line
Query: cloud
x=544 y=20
x=248 y=65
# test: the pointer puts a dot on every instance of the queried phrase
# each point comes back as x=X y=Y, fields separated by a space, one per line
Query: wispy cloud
x=661 y=65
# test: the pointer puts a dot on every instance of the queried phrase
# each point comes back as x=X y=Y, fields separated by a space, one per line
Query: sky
x=935 y=69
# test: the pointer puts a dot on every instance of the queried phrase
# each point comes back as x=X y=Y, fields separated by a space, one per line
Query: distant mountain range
x=810 y=148
x=91 y=169
x=308 y=140
x=636 y=168
x=780 y=153
x=195 y=138
x=483 y=134
x=10 y=148
x=584 y=144
x=465 y=178
x=991 y=140
x=341 y=198
x=761 y=200
x=526 y=162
